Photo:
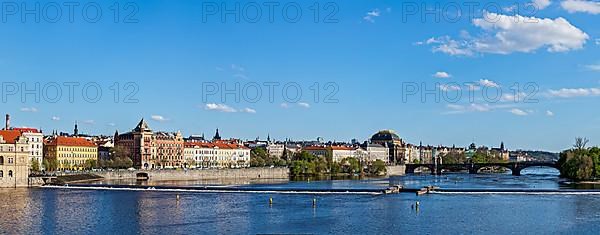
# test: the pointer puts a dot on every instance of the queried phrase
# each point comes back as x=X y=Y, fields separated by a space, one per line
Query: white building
x=35 y=138
x=216 y=155
x=275 y=150
x=376 y=152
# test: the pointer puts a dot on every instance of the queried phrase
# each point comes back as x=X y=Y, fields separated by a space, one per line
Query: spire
x=76 y=130
x=268 y=137
x=217 y=136
x=142 y=126
x=502 y=145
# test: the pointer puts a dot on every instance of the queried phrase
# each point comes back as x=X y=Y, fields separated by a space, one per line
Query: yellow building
x=70 y=153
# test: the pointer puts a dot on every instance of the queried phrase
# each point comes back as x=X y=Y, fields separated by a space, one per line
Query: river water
x=74 y=211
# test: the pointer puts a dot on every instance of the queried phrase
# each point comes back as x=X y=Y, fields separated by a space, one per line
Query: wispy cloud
x=371 y=15
x=574 y=92
x=248 y=110
x=593 y=67
x=111 y=124
x=476 y=107
x=55 y=118
x=441 y=74
x=241 y=76
x=29 y=109
x=488 y=83
x=237 y=68
x=159 y=118
x=549 y=113
x=284 y=105
x=541 y=4
x=89 y=122
x=219 y=108
x=449 y=87
x=584 y=6
x=304 y=105
x=519 y=112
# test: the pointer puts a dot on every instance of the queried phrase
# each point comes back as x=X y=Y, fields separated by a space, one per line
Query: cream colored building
x=14 y=159
x=218 y=154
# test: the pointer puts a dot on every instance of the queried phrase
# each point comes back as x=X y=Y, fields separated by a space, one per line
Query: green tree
x=35 y=165
x=378 y=168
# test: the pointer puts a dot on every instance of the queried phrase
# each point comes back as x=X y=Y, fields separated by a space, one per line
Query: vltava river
x=70 y=211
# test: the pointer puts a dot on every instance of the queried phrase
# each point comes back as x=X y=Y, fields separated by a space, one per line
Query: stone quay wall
x=244 y=173
x=396 y=170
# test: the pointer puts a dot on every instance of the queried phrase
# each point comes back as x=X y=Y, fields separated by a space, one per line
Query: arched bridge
x=473 y=168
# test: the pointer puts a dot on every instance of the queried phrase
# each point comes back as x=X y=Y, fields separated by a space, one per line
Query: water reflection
x=65 y=211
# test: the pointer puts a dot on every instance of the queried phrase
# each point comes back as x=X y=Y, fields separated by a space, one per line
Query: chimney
x=7 y=122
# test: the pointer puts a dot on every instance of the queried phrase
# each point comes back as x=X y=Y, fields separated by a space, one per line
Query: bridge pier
x=516 y=172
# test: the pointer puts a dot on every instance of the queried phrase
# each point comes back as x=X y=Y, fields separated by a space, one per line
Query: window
x=1 y=174
x=10 y=174
x=1 y=160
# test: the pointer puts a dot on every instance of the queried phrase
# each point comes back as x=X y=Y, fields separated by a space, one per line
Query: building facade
x=35 y=138
x=149 y=150
x=218 y=154
x=70 y=153
x=394 y=144
x=14 y=159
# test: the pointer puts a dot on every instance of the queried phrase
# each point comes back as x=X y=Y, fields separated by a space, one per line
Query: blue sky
x=367 y=52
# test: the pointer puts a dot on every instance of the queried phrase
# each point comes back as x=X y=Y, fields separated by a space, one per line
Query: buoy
x=314 y=202
x=177 y=197
x=270 y=201
x=417 y=204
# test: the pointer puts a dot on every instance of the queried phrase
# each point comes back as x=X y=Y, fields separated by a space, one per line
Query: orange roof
x=341 y=148
x=26 y=130
x=10 y=136
x=71 y=141
x=198 y=144
x=315 y=148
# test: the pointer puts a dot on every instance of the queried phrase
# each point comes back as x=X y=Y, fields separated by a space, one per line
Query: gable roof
x=10 y=136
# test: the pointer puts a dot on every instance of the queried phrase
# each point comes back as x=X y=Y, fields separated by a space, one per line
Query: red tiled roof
x=26 y=130
x=71 y=141
x=10 y=136
x=315 y=148
x=341 y=148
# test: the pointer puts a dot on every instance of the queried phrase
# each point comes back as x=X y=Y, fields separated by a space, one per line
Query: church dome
x=385 y=135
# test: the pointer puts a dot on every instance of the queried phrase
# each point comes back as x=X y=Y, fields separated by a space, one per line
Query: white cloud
x=29 y=109
x=248 y=110
x=111 y=124
x=574 y=92
x=504 y=34
x=598 y=41
x=449 y=87
x=519 y=112
x=371 y=15
x=89 y=122
x=585 y=6
x=304 y=105
x=285 y=105
x=442 y=74
x=159 y=118
x=237 y=68
x=541 y=4
x=488 y=83
x=55 y=118
x=455 y=108
x=518 y=97
x=241 y=76
x=593 y=67
x=220 y=108
x=549 y=113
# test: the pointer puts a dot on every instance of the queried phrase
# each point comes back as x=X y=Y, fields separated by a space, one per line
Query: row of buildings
x=25 y=149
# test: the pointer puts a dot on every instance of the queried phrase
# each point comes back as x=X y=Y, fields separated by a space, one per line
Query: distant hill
x=537 y=155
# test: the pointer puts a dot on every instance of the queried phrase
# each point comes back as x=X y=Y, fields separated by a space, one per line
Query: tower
x=217 y=136
x=7 y=123
x=502 y=145
x=76 y=130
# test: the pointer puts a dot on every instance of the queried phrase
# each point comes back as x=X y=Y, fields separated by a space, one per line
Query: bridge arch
x=479 y=169
x=142 y=176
